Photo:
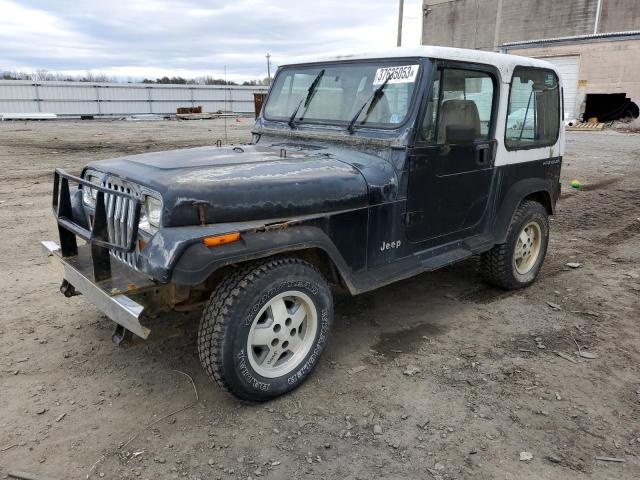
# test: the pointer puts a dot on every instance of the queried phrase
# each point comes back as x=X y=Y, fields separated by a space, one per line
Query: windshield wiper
x=374 y=99
x=307 y=99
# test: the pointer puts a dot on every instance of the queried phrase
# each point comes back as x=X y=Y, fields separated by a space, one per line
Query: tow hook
x=120 y=334
x=68 y=290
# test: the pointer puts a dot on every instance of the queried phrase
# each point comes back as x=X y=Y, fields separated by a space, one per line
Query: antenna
x=224 y=115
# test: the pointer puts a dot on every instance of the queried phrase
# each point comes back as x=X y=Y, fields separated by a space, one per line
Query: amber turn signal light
x=221 y=239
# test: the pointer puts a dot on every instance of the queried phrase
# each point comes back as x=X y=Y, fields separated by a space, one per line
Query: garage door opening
x=610 y=107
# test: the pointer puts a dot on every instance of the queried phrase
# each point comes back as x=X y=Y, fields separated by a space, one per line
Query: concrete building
x=594 y=43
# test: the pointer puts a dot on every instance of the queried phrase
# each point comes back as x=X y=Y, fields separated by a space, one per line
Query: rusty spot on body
x=201 y=214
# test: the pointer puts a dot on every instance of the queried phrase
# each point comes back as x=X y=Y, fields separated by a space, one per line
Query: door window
x=459 y=109
x=533 y=118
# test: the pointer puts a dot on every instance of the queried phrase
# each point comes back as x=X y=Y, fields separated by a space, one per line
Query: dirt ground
x=486 y=382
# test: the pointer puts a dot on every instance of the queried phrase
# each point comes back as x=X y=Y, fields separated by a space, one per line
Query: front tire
x=264 y=328
x=517 y=262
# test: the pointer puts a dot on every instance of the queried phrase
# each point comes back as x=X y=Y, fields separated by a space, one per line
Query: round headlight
x=153 y=208
x=89 y=195
x=150 y=215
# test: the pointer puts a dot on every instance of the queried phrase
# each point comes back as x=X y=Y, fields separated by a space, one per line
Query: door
x=568 y=67
x=451 y=164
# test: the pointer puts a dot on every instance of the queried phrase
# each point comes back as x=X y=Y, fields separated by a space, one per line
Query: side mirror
x=459 y=134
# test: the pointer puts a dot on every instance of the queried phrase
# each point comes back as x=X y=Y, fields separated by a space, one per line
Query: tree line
x=206 y=80
x=41 y=75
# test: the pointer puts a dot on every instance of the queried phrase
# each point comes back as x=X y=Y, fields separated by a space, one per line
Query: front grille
x=120 y=218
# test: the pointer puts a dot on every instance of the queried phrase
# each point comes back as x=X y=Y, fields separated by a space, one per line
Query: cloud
x=150 y=38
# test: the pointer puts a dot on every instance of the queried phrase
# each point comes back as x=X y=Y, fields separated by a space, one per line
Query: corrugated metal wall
x=86 y=98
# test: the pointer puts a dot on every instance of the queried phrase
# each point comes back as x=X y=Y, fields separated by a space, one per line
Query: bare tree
x=42 y=74
x=103 y=77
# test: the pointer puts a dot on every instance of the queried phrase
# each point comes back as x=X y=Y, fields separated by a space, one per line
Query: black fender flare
x=198 y=262
x=514 y=197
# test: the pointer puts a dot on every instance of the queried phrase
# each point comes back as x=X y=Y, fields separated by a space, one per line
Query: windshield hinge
x=416 y=162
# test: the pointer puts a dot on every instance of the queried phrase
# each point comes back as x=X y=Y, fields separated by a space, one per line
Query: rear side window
x=533 y=116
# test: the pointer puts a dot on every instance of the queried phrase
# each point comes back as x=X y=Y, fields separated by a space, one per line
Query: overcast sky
x=152 y=38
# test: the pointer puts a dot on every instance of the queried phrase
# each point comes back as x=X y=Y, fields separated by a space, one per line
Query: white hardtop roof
x=505 y=63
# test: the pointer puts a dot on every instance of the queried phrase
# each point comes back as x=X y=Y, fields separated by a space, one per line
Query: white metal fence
x=114 y=99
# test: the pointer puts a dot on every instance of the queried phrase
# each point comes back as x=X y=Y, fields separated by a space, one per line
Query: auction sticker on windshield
x=401 y=74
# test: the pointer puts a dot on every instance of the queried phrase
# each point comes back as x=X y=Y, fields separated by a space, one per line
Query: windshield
x=342 y=91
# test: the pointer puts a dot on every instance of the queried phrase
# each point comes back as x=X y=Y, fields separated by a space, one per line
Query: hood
x=248 y=182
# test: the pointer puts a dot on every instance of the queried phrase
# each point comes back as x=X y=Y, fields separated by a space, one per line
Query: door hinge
x=410 y=218
x=416 y=162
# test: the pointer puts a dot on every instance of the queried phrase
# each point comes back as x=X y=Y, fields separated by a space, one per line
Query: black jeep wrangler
x=362 y=171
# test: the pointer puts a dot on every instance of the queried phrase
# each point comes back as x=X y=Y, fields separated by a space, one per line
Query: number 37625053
x=399 y=74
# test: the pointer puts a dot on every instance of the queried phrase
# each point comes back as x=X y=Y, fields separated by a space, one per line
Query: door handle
x=483 y=155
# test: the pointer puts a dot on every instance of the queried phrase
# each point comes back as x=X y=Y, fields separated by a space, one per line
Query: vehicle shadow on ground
x=391 y=320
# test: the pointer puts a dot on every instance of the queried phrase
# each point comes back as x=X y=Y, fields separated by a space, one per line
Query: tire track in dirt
x=486 y=294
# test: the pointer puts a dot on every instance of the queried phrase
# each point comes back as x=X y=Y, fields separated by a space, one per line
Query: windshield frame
x=422 y=62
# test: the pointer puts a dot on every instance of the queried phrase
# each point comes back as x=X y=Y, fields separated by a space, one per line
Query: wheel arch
x=543 y=197
x=310 y=244
x=322 y=261
x=535 y=189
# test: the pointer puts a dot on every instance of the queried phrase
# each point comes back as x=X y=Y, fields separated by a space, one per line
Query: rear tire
x=517 y=262
x=264 y=328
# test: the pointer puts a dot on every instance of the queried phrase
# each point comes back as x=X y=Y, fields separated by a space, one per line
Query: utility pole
x=597 y=22
x=400 y=9
x=269 y=67
x=425 y=13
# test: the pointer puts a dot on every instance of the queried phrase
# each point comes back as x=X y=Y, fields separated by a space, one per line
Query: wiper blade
x=293 y=115
x=306 y=100
x=374 y=99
